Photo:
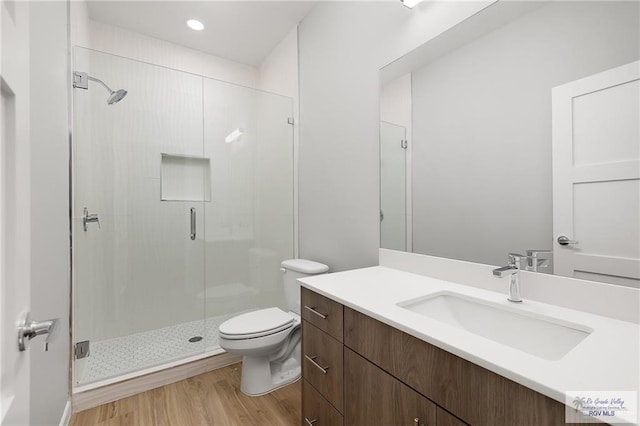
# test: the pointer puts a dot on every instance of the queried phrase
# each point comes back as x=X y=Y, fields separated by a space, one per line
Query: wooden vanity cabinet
x=322 y=360
x=388 y=377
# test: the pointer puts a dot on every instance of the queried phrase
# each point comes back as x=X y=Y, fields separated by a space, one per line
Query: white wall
x=119 y=41
x=342 y=47
x=79 y=23
x=15 y=206
x=482 y=127
x=278 y=73
x=395 y=102
x=50 y=267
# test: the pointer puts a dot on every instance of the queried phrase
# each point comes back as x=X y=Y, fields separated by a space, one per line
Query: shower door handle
x=193 y=223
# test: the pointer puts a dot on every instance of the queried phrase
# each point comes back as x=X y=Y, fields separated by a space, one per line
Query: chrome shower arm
x=101 y=82
x=81 y=81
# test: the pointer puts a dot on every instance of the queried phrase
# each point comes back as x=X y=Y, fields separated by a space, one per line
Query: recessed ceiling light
x=194 y=24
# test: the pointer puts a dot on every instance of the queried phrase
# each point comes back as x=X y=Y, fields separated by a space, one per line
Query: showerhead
x=81 y=81
x=116 y=96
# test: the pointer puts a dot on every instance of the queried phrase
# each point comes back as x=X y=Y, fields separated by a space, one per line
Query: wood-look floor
x=213 y=398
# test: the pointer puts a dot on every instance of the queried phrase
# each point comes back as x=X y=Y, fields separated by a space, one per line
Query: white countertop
x=607 y=360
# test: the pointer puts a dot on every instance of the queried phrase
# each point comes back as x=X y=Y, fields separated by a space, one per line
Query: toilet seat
x=256 y=324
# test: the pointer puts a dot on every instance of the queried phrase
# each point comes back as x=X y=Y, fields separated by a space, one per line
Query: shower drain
x=195 y=339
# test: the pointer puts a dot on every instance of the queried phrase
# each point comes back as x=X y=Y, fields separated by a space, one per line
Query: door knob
x=565 y=241
x=28 y=329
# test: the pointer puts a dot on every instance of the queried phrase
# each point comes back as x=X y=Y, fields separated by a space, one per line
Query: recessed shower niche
x=185 y=178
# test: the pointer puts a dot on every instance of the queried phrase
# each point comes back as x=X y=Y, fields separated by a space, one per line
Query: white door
x=596 y=176
x=14 y=210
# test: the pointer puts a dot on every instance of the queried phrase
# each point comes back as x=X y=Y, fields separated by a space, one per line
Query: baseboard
x=66 y=414
x=92 y=398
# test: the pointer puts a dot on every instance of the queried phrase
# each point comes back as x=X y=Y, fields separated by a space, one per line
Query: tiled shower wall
x=140 y=271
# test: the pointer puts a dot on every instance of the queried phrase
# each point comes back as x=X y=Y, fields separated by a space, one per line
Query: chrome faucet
x=511 y=270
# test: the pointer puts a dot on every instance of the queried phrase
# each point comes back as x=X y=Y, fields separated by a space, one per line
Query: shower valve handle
x=89 y=218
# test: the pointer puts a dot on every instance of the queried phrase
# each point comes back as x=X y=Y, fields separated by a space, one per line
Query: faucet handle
x=515 y=259
x=534 y=261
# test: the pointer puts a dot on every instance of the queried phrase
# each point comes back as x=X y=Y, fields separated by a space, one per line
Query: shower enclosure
x=182 y=210
x=393 y=186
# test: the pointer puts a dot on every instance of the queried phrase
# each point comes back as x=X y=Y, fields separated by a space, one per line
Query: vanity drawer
x=322 y=363
x=322 y=312
x=316 y=410
x=374 y=397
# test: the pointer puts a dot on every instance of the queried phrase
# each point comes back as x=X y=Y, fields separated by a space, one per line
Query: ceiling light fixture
x=194 y=24
x=410 y=3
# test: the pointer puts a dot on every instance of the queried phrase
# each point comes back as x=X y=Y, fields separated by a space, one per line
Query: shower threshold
x=121 y=358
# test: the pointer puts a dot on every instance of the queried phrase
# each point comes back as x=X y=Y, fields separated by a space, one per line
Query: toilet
x=269 y=339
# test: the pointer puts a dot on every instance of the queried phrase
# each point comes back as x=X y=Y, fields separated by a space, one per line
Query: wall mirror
x=518 y=130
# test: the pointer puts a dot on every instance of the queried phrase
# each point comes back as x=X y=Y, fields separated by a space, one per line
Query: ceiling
x=242 y=31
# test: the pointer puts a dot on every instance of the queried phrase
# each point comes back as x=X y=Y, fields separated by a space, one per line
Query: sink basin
x=539 y=335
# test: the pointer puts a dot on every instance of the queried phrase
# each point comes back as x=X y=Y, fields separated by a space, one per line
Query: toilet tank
x=292 y=270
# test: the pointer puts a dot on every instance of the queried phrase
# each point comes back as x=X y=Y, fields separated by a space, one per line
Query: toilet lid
x=256 y=323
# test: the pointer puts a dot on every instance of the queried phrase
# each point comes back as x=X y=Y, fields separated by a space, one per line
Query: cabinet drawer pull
x=312 y=361
x=310 y=422
x=323 y=316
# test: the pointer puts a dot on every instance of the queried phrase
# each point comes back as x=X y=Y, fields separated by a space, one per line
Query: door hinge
x=404 y=144
x=290 y=121
x=81 y=349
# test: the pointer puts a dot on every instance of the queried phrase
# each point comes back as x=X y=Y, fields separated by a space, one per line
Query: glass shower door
x=393 y=187
x=140 y=182
x=248 y=135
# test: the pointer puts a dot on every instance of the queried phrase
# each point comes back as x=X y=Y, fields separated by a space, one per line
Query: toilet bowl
x=269 y=339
